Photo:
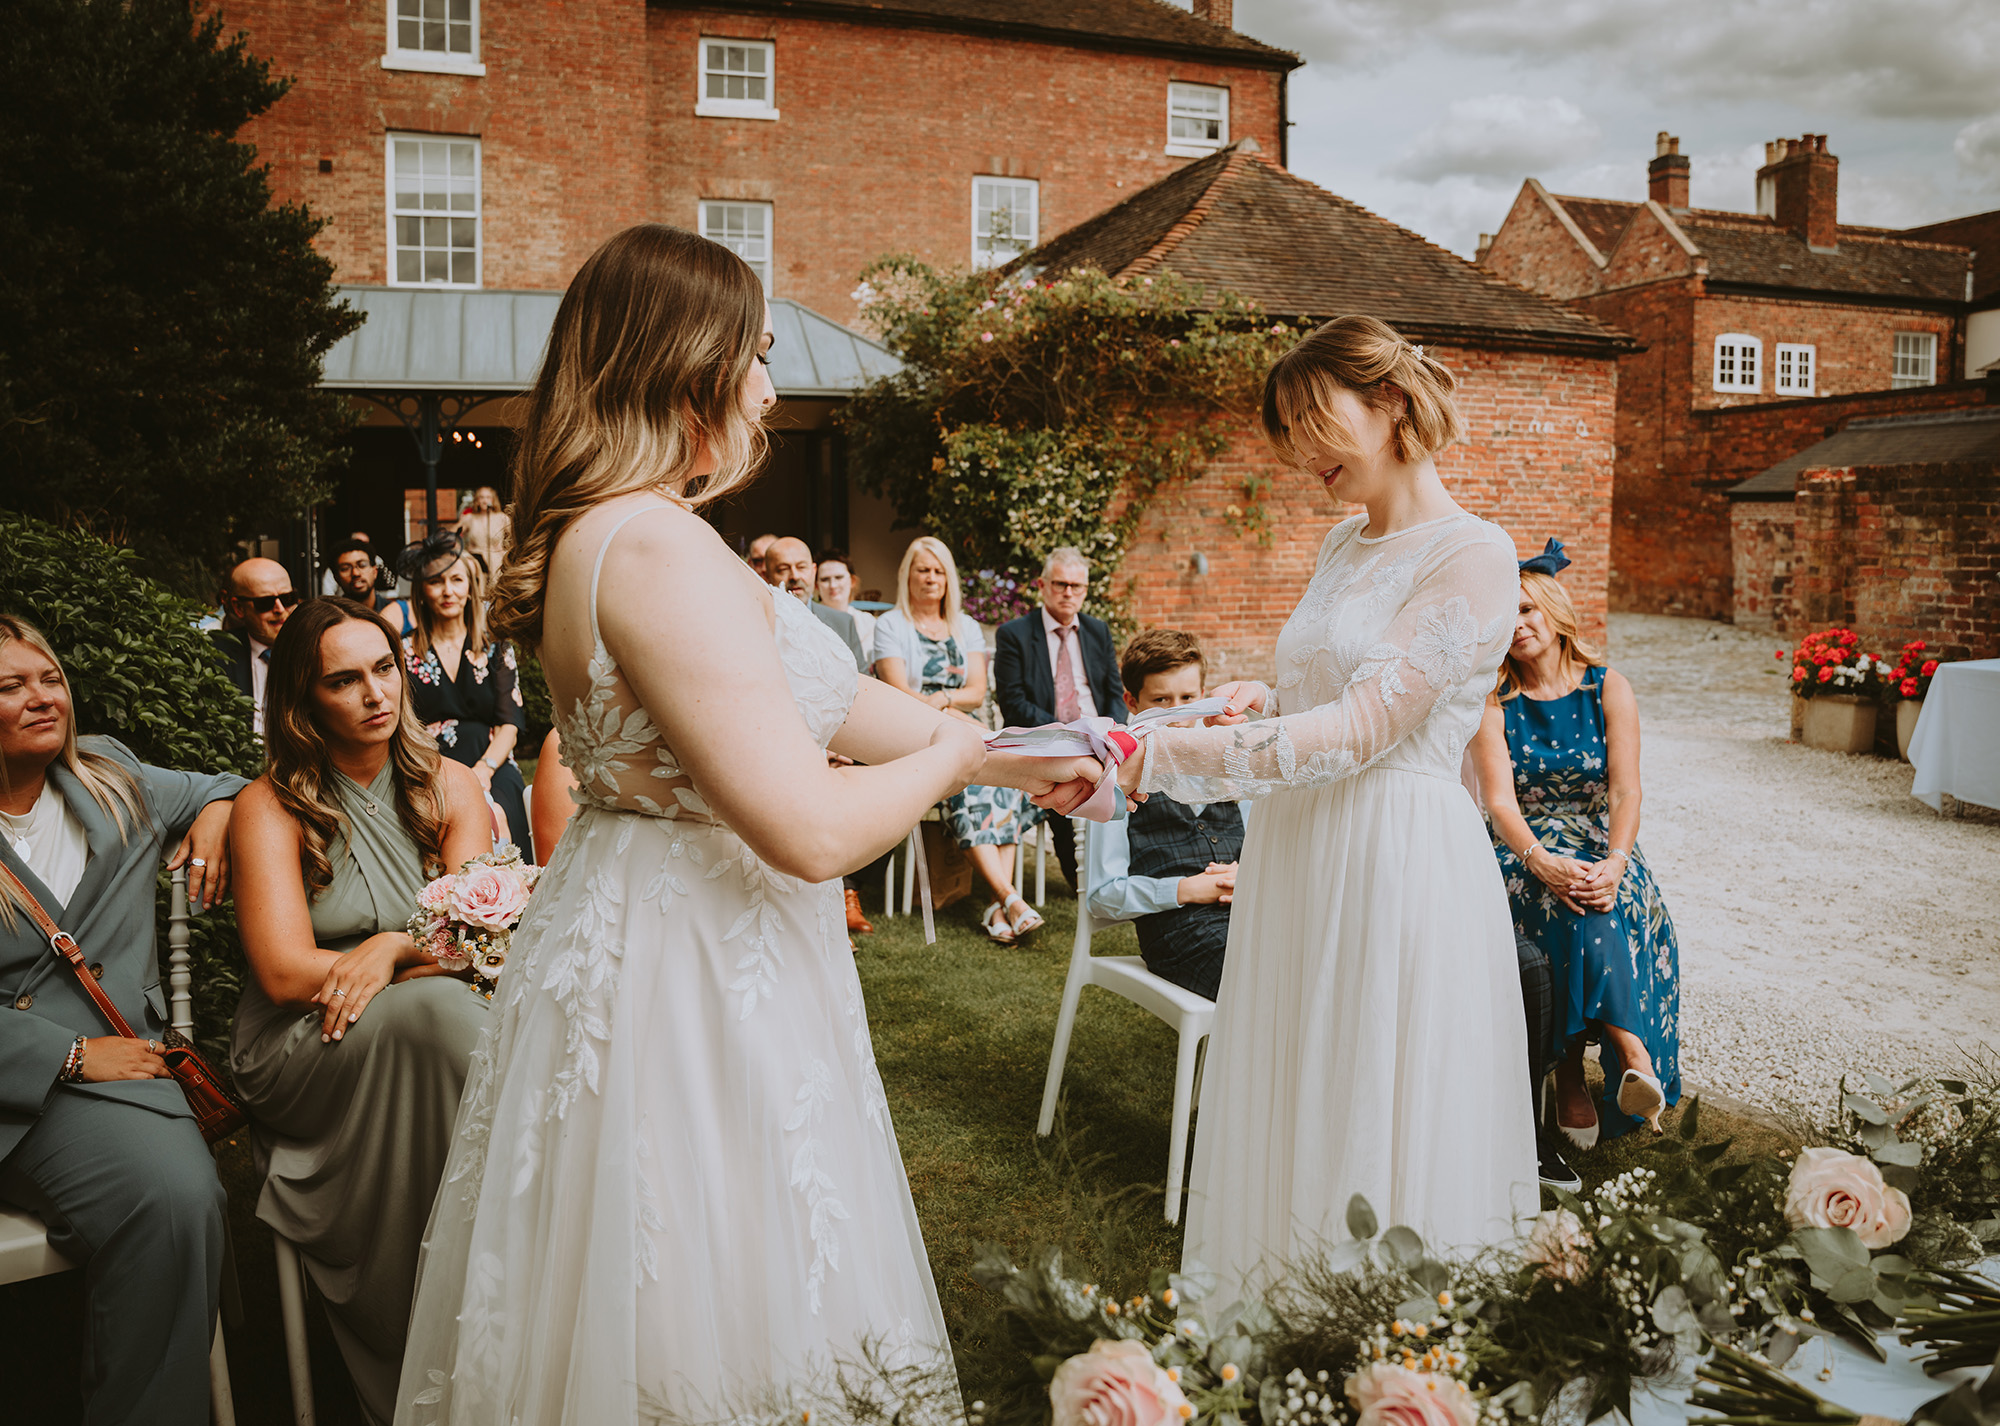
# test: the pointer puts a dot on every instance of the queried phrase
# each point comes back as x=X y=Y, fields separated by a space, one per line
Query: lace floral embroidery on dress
x=813 y=1183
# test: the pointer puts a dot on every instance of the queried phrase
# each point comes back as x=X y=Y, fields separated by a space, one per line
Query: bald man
x=260 y=600
x=788 y=563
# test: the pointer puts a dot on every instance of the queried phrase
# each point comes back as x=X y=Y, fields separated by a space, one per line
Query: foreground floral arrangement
x=467 y=919
x=1739 y=1262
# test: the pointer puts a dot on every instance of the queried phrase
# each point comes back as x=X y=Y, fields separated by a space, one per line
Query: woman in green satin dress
x=350 y=1045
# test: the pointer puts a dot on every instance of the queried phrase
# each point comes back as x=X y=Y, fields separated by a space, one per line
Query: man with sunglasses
x=259 y=601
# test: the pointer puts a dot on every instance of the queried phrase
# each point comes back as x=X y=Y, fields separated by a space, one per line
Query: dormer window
x=1197 y=119
x=738 y=79
x=1739 y=362
x=434 y=37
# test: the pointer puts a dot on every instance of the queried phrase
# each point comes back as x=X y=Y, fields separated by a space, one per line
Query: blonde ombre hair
x=1369 y=358
x=1546 y=593
x=477 y=635
x=953 y=602
x=643 y=376
x=110 y=786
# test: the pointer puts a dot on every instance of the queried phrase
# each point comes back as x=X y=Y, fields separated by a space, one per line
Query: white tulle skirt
x=675 y=1191
x=1369 y=1035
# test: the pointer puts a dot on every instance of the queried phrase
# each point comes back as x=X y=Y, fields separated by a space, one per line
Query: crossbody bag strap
x=64 y=945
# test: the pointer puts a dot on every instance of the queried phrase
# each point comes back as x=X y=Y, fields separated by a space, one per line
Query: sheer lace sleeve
x=1459 y=616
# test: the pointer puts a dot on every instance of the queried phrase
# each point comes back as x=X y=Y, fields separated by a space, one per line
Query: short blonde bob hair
x=1369 y=358
x=953 y=602
x=1546 y=593
x=643 y=374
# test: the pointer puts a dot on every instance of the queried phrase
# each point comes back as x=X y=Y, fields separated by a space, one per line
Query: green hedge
x=143 y=673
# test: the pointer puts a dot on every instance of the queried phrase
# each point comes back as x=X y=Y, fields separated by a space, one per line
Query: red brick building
x=1227 y=555
x=1734 y=309
x=461 y=147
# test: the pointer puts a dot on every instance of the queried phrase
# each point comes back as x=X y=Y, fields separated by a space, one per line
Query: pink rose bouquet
x=1385 y=1394
x=1116 y=1384
x=1831 y=1188
x=468 y=919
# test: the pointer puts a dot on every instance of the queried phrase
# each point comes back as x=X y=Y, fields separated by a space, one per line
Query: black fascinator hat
x=1551 y=561
x=430 y=556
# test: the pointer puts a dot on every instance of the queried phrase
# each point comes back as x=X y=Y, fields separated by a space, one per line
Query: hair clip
x=1417 y=350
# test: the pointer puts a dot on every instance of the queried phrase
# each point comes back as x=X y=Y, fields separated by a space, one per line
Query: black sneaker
x=1555 y=1169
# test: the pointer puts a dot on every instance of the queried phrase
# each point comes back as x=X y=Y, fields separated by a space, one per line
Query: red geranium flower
x=1798 y=675
x=1929 y=668
x=1826 y=675
x=1909 y=688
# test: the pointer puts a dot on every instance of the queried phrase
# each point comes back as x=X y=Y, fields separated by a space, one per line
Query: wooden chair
x=24 y=1241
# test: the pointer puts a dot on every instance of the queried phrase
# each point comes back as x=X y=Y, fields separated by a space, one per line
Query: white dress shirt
x=49 y=839
x=260 y=674
x=1086 y=705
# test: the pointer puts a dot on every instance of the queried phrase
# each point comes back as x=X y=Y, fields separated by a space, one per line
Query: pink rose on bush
x=489 y=896
x=1558 y=1244
x=1116 y=1384
x=1388 y=1395
x=1833 y=1189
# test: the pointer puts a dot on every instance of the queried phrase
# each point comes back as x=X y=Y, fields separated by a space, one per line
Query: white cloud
x=1497 y=138
x=1977 y=148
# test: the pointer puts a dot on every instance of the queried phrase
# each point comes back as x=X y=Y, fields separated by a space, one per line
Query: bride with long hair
x=675 y=1185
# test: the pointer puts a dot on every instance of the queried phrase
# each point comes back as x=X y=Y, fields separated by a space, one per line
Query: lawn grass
x=962 y=1031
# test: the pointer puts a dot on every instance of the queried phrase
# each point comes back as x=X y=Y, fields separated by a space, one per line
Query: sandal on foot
x=1030 y=921
x=1003 y=932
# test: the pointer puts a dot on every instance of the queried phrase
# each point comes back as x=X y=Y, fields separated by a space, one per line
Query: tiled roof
x=1602 y=219
x=1236 y=221
x=1139 y=24
x=1927 y=439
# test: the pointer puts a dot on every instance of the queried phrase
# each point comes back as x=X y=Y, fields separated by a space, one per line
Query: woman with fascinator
x=1558 y=760
x=464 y=684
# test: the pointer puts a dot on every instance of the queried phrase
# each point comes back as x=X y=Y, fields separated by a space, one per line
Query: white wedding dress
x=676 y=1192
x=1369 y=1035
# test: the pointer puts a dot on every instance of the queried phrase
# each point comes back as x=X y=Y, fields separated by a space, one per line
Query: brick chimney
x=1667 y=174
x=1799 y=185
x=1216 y=12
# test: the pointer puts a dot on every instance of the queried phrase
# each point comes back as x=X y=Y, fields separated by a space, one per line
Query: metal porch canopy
x=431 y=355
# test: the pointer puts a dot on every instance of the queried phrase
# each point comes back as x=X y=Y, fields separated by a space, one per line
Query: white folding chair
x=1044 y=841
x=24 y=1241
x=1191 y=1015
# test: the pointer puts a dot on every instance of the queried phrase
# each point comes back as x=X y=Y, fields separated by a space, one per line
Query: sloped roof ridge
x=1926 y=418
x=1197 y=212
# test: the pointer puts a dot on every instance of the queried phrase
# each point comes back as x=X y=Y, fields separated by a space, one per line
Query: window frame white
x=1788 y=359
x=1194 y=148
x=1739 y=342
x=707 y=108
x=395 y=56
x=477 y=214
x=984 y=260
x=1899 y=381
x=770 y=239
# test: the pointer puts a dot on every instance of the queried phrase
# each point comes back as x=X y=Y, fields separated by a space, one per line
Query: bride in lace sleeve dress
x=675 y=1191
x=1369 y=1034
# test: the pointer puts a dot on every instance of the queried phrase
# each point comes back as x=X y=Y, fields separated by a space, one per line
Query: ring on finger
x=341 y=991
x=197 y=862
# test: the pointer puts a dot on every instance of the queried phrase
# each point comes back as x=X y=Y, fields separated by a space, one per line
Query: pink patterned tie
x=1068 y=706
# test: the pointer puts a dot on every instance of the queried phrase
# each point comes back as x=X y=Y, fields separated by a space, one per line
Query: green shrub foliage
x=1032 y=412
x=143 y=673
x=162 y=322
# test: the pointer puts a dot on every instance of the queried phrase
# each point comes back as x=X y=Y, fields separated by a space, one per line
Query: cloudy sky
x=1431 y=112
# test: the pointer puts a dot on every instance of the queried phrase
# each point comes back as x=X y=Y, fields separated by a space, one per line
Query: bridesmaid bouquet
x=468 y=919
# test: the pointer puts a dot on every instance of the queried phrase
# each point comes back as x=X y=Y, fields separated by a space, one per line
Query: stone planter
x=1908 y=710
x=1798 y=716
x=1840 y=723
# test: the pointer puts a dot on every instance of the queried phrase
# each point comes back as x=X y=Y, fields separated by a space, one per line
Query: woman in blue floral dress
x=929 y=647
x=1558 y=759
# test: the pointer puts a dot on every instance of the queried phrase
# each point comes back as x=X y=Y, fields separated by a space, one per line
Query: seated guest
x=754 y=556
x=834 y=587
x=928 y=647
x=1056 y=665
x=350 y=1045
x=258 y=601
x=95 y=1139
x=1169 y=867
x=464 y=686
x=553 y=806
x=329 y=580
x=357 y=575
x=1558 y=761
x=788 y=564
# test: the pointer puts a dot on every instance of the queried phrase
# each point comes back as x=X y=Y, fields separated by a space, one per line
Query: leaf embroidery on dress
x=823 y=1208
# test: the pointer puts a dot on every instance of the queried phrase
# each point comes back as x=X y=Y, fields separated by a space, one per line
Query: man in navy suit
x=1056 y=665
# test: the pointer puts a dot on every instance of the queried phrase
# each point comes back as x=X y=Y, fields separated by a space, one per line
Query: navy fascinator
x=1551 y=561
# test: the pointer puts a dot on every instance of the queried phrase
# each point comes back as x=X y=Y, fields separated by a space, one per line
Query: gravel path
x=1828 y=920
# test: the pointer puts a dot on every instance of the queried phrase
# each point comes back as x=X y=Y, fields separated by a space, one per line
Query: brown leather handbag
x=216 y=1110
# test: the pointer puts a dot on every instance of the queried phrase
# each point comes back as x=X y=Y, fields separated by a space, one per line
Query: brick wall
x=1901 y=552
x=1534 y=249
x=560 y=113
x=883 y=130
x=1854 y=346
x=1537 y=461
x=1760 y=547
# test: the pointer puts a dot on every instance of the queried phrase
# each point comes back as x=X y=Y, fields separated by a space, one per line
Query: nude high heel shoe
x=1584 y=1138
x=1640 y=1095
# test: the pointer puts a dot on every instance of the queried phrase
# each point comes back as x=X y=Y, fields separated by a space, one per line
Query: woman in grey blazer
x=95 y=1139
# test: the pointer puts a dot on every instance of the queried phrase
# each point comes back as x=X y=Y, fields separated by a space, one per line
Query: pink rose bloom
x=489 y=896
x=1833 y=1189
x=1388 y=1395
x=1116 y=1384
x=1558 y=1244
x=436 y=897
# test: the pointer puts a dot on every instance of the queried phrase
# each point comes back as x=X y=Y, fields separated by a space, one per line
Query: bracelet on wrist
x=72 y=1070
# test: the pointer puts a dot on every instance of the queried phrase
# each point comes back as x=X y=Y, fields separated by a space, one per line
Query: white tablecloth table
x=1956 y=746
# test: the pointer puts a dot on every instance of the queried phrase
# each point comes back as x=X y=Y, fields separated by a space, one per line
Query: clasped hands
x=1587 y=888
